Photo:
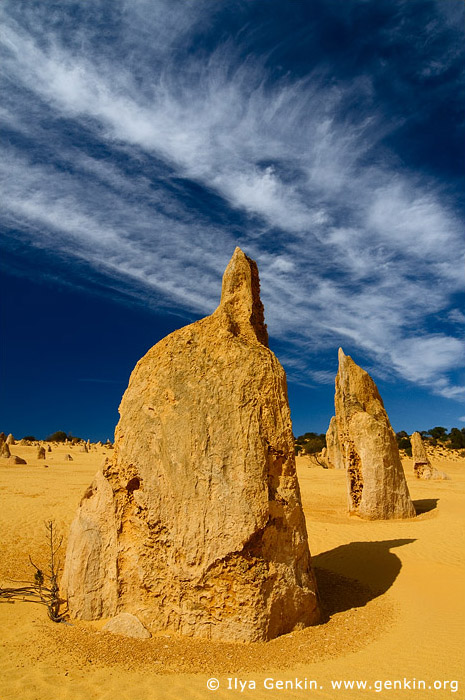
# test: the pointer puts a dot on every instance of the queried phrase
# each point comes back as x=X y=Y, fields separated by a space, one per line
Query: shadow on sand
x=351 y=575
x=424 y=505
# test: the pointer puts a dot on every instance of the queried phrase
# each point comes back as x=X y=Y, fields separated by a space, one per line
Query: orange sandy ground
x=393 y=594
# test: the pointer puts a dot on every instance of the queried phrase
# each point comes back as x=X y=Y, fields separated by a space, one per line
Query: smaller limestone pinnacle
x=377 y=488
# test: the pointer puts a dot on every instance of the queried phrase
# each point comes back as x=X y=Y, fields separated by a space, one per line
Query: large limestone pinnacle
x=196 y=525
x=377 y=489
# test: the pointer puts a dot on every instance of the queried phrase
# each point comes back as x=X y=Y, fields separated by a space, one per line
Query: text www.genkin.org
x=306 y=684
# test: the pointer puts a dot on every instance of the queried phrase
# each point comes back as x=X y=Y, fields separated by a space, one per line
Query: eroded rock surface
x=377 y=488
x=14 y=459
x=4 y=449
x=333 y=456
x=422 y=467
x=126 y=625
x=196 y=525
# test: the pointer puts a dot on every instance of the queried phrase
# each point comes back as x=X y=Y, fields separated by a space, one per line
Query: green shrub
x=310 y=443
x=59 y=436
x=457 y=439
x=438 y=433
x=403 y=442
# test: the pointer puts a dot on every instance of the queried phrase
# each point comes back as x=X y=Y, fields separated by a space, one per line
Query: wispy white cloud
x=456 y=316
x=94 y=224
x=422 y=358
x=351 y=249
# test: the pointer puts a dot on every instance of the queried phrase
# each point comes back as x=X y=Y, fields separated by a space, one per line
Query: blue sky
x=144 y=139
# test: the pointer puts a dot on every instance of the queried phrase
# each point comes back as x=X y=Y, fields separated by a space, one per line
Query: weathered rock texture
x=14 y=459
x=41 y=452
x=322 y=458
x=126 y=625
x=196 y=525
x=422 y=467
x=10 y=440
x=4 y=449
x=333 y=455
x=377 y=489
x=421 y=463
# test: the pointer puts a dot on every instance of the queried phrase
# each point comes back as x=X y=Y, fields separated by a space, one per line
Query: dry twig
x=45 y=589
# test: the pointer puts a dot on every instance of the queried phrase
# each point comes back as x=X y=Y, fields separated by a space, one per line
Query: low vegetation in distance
x=61 y=436
x=312 y=443
x=438 y=436
x=58 y=436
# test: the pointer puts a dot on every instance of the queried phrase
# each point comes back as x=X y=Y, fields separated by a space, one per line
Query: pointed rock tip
x=347 y=363
x=240 y=296
x=238 y=261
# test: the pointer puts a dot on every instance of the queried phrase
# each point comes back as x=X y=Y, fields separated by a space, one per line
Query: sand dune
x=393 y=593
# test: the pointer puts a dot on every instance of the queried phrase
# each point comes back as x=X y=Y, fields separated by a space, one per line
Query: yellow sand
x=393 y=594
